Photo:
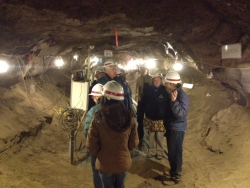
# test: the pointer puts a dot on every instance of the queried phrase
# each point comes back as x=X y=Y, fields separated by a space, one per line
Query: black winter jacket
x=155 y=102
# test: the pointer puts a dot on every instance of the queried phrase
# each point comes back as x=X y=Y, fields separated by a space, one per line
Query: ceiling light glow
x=177 y=66
x=131 y=65
x=3 y=66
x=59 y=62
x=150 y=63
x=75 y=57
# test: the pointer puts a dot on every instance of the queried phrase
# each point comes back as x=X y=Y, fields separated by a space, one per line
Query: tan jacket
x=112 y=135
x=141 y=82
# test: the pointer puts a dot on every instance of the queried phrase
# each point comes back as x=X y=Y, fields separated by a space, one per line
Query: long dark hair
x=108 y=102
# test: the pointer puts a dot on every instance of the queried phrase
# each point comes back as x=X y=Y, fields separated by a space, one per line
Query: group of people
x=163 y=106
x=111 y=132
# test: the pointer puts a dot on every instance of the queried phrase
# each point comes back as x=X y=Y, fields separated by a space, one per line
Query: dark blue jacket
x=176 y=116
x=127 y=96
x=154 y=102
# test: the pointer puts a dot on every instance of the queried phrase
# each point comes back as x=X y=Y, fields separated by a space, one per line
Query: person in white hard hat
x=112 y=135
x=110 y=69
x=155 y=103
x=175 y=123
x=142 y=84
x=98 y=74
x=96 y=94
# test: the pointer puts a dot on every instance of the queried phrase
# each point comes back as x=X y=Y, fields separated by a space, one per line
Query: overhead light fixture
x=94 y=61
x=75 y=57
x=131 y=65
x=3 y=66
x=59 y=61
x=150 y=63
x=120 y=66
x=177 y=66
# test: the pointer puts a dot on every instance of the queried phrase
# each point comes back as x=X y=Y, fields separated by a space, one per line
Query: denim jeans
x=174 y=144
x=113 y=180
x=96 y=177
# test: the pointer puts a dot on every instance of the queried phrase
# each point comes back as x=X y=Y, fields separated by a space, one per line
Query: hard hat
x=97 y=90
x=113 y=90
x=120 y=71
x=99 y=71
x=157 y=75
x=109 y=63
x=172 y=77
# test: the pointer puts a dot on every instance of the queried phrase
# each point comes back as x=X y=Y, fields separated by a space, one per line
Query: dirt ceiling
x=38 y=30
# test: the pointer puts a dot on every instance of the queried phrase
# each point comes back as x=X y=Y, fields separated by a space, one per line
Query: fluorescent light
x=177 y=66
x=150 y=63
x=3 y=66
x=131 y=65
x=59 y=62
x=75 y=57
x=94 y=59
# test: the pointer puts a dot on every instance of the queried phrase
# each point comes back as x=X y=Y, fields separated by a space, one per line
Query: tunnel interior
x=209 y=38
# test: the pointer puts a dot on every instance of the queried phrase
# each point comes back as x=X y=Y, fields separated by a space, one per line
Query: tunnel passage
x=232 y=79
x=240 y=99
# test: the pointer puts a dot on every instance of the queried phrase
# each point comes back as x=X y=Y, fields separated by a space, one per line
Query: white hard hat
x=113 y=90
x=97 y=90
x=157 y=75
x=109 y=63
x=99 y=71
x=172 y=77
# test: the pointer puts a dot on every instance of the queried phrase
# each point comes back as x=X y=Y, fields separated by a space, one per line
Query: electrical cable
x=69 y=119
x=25 y=84
x=54 y=104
